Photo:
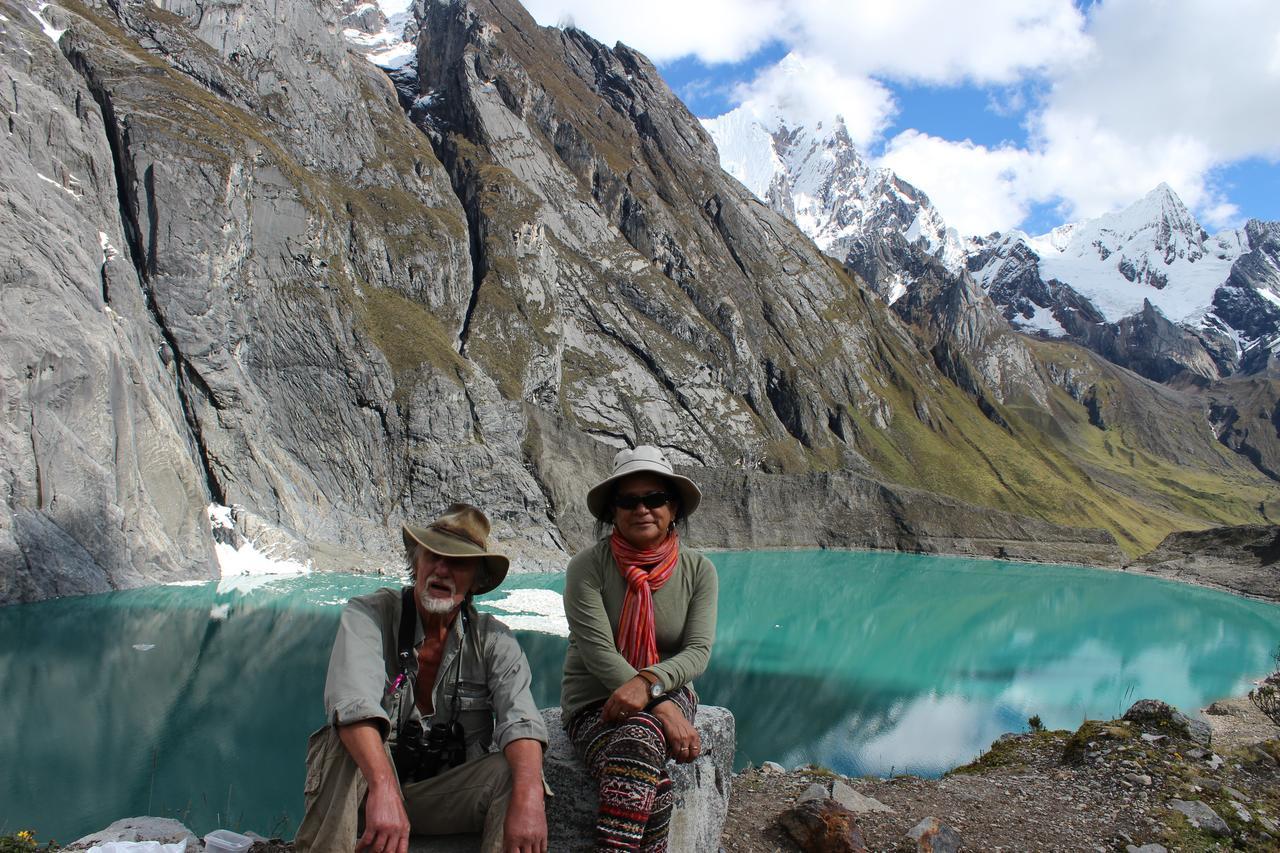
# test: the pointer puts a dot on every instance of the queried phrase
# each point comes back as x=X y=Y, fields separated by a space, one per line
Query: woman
x=642 y=618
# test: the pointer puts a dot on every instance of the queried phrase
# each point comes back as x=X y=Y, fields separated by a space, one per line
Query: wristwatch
x=656 y=688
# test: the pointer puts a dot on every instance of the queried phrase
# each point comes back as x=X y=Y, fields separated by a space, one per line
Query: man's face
x=442 y=583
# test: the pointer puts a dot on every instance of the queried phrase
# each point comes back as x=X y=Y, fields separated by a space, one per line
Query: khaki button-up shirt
x=495 y=705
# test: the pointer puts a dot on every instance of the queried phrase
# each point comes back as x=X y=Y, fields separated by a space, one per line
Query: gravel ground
x=1022 y=795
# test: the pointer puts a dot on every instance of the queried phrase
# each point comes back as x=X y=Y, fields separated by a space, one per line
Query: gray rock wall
x=1244 y=559
x=98 y=480
x=235 y=272
x=842 y=510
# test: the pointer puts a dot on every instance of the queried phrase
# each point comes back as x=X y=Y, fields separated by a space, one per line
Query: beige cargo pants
x=469 y=798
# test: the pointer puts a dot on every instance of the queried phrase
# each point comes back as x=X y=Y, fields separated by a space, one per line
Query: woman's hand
x=682 y=738
x=631 y=697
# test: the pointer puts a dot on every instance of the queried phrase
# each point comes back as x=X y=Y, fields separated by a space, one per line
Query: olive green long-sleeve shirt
x=684 y=617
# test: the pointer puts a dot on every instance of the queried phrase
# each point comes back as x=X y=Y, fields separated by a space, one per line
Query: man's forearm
x=364 y=741
x=525 y=827
x=524 y=757
x=386 y=826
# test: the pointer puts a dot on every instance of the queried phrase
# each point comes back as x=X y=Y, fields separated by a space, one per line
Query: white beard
x=438 y=606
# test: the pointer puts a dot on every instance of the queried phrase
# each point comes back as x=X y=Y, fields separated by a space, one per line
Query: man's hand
x=631 y=697
x=525 y=828
x=386 y=826
x=682 y=737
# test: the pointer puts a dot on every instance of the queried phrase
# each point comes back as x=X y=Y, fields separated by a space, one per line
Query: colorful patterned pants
x=628 y=760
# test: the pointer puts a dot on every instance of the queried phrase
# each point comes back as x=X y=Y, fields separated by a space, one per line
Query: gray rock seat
x=701 y=791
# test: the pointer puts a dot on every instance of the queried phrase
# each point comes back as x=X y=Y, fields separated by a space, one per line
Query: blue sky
x=1008 y=114
x=958 y=112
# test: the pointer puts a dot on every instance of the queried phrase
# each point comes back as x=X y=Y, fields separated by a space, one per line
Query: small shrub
x=1267 y=697
x=1035 y=723
x=23 y=842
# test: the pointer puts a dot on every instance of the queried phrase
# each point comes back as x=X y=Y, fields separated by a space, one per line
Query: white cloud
x=941 y=41
x=935 y=41
x=1096 y=169
x=1181 y=68
x=788 y=89
x=1083 y=168
x=712 y=30
x=977 y=189
x=1135 y=93
x=1170 y=91
x=1221 y=214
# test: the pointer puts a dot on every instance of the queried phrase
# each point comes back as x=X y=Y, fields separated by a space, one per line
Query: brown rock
x=823 y=826
x=933 y=836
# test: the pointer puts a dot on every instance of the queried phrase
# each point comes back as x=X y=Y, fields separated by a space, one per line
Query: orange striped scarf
x=636 y=638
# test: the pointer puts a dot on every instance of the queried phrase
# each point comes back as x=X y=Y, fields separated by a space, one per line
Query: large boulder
x=701 y=787
x=701 y=791
x=127 y=830
x=1156 y=714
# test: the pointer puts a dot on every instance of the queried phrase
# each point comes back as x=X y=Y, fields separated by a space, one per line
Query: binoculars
x=417 y=757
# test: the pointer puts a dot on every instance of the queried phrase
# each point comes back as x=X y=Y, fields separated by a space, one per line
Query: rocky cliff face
x=236 y=271
x=1243 y=559
x=101 y=486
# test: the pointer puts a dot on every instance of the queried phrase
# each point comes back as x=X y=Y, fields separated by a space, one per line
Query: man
x=444 y=683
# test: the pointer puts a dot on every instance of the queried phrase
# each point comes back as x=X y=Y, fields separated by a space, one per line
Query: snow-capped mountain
x=815 y=177
x=1120 y=275
x=378 y=30
x=1147 y=286
x=1154 y=250
x=1249 y=301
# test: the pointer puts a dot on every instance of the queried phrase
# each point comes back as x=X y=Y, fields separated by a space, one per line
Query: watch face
x=655 y=690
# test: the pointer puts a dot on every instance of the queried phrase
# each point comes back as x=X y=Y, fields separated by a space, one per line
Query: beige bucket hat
x=646 y=458
x=463 y=531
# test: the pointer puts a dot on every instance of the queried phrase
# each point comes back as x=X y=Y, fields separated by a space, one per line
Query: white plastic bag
x=139 y=847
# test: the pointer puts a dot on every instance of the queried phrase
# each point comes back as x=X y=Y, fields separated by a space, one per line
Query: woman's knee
x=639 y=738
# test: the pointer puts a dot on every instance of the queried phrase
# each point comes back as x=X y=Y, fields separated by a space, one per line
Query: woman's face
x=641 y=526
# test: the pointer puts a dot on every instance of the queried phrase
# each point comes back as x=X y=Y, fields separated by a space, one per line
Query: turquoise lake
x=195 y=703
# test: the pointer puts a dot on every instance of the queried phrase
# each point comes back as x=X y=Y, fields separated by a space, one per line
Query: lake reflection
x=879 y=663
x=195 y=703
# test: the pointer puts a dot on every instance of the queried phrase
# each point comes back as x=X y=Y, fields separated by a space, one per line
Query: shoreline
x=1130 y=568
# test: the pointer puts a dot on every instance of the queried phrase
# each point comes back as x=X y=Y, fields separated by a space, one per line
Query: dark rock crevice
x=715 y=210
x=465 y=187
x=35 y=458
x=687 y=451
x=604 y=433
x=143 y=260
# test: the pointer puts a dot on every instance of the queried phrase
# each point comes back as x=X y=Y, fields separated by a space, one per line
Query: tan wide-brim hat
x=463 y=531
x=648 y=459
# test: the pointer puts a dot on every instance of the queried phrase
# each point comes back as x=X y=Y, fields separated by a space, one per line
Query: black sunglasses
x=651 y=500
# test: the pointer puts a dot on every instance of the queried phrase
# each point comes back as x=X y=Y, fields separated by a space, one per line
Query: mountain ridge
x=339 y=299
x=1114 y=270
